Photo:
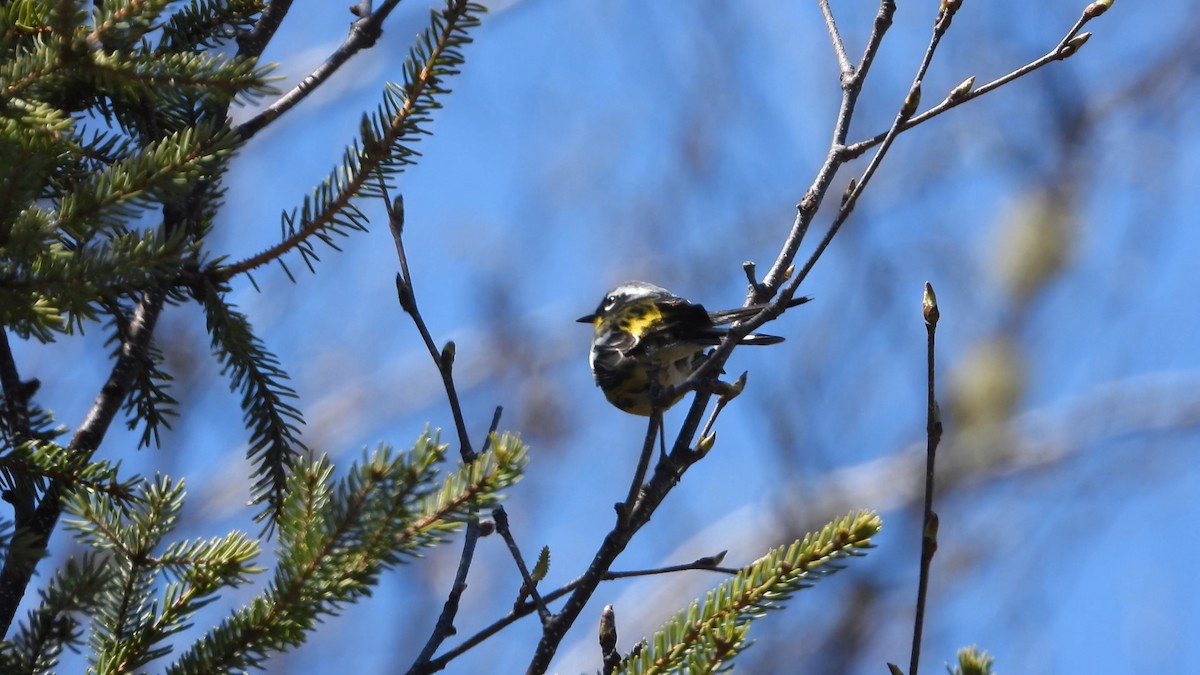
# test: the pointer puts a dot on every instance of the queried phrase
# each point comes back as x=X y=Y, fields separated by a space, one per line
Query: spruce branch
x=335 y=540
x=158 y=173
x=273 y=421
x=48 y=287
x=118 y=25
x=17 y=424
x=20 y=75
x=384 y=147
x=47 y=461
x=176 y=76
x=129 y=622
x=207 y=24
x=52 y=625
x=126 y=71
x=18 y=569
x=706 y=635
x=70 y=257
x=150 y=403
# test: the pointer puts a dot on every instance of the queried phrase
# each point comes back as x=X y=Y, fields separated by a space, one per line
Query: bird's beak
x=590 y=318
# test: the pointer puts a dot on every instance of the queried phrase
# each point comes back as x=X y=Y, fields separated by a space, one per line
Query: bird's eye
x=609 y=302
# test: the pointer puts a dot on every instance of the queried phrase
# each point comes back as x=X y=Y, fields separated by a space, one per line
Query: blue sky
x=589 y=143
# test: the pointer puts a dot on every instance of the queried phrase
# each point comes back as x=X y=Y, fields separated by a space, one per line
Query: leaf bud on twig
x=849 y=190
x=960 y=92
x=929 y=305
x=1097 y=8
x=404 y=293
x=711 y=560
x=931 y=533
x=608 y=629
x=1073 y=45
x=911 y=102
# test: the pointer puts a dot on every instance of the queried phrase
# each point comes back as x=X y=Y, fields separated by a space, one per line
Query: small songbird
x=642 y=329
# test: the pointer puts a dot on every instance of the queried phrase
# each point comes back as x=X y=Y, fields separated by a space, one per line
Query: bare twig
x=529 y=584
x=850 y=199
x=653 y=430
x=933 y=434
x=444 y=627
x=806 y=209
x=442 y=358
x=1065 y=48
x=839 y=49
x=363 y=34
x=726 y=392
x=707 y=563
x=253 y=42
x=667 y=473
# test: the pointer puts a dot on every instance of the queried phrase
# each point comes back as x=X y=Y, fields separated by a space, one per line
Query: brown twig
x=653 y=430
x=443 y=358
x=707 y=563
x=529 y=584
x=835 y=37
x=364 y=32
x=933 y=435
x=1064 y=49
x=444 y=627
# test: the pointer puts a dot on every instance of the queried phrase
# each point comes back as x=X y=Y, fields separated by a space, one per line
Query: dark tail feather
x=760 y=339
x=713 y=338
x=730 y=315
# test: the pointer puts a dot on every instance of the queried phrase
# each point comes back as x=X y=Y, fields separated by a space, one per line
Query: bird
x=643 y=331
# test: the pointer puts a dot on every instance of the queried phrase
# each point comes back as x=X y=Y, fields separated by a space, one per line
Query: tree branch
x=933 y=436
x=839 y=49
x=363 y=34
x=18 y=569
x=16 y=422
x=1066 y=48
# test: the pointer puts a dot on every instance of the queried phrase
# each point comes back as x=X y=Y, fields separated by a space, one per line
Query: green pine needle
x=335 y=538
x=705 y=636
